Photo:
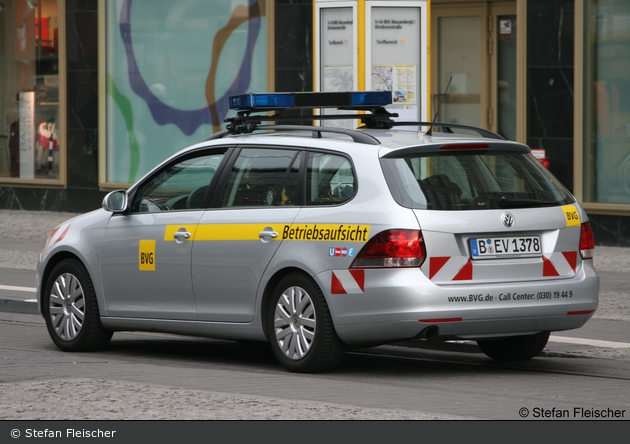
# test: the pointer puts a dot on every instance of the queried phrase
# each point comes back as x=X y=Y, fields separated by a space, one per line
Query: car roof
x=387 y=140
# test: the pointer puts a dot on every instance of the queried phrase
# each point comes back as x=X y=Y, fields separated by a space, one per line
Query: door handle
x=181 y=235
x=272 y=234
x=267 y=234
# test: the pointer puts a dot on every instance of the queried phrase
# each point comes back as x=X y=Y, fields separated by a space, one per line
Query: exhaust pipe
x=429 y=332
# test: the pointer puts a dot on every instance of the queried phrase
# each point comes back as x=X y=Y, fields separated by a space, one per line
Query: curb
x=22 y=306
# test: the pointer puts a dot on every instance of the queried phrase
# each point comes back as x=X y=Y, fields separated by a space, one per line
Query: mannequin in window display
x=47 y=148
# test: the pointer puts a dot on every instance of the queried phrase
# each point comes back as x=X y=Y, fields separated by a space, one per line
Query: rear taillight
x=392 y=249
x=587 y=241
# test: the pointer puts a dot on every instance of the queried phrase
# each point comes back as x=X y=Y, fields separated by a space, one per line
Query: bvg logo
x=146 y=255
x=571 y=215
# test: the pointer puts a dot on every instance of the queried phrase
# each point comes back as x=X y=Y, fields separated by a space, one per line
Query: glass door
x=502 y=46
x=474 y=49
x=458 y=36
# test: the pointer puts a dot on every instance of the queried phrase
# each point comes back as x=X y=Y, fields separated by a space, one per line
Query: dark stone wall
x=550 y=98
x=294 y=45
x=294 y=49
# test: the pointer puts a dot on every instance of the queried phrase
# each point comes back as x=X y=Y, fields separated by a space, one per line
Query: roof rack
x=373 y=102
x=357 y=136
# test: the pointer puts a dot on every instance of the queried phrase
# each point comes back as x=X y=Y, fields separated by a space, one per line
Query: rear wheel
x=514 y=348
x=300 y=327
x=71 y=310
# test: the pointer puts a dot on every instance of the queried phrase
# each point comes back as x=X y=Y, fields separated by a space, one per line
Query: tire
x=71 y=310
x=300 y=327
x=514 y=348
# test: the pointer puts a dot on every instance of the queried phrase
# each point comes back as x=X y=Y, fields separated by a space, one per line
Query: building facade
x=94 y=93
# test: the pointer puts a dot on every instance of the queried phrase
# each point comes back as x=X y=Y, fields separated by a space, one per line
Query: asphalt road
x=155 y=376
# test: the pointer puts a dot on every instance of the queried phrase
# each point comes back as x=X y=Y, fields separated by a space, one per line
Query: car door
x=236 y=240
x=147 y=251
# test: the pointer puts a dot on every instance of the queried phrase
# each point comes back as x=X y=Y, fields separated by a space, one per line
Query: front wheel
x=71 y=310
x=300 y=327
x=514 y=348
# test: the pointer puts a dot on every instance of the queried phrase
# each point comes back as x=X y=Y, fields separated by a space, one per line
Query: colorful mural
x=171 y=67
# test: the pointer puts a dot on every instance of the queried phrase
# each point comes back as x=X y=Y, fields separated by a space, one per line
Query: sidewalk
x=23 y=233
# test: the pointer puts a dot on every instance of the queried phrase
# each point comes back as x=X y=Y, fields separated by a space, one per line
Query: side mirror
x=116 y=201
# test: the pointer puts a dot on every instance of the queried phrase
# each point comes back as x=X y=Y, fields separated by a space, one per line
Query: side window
x=257 y=179
x=181 y=186
x=330 y=179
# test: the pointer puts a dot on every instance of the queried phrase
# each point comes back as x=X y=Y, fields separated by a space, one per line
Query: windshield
x=472 y=181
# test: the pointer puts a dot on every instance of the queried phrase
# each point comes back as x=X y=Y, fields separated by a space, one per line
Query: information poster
x=27 y=135
x=337 y=43
x=395 y=57
x=338 y=58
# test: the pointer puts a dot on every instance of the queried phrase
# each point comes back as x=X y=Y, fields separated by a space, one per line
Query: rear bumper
x=401 y=304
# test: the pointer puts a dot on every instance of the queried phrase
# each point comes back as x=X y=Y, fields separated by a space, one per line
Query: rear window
x=472 y=181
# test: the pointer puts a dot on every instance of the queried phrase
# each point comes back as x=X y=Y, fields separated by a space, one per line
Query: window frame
x=582 y=117
x=62 y=131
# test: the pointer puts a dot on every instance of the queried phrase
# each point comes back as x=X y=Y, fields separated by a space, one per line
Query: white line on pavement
x=14 y=288
x=592 y=342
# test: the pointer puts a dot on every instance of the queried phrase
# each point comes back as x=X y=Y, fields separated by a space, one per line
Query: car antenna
x=439 y=106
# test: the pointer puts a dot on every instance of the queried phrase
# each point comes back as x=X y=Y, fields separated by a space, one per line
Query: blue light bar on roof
x=268 y=101
x=262 y=101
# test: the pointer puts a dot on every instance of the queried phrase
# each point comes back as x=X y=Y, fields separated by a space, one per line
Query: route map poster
x=395 y=57
x=401 y=80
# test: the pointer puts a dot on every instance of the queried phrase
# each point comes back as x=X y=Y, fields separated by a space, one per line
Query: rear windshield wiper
x=505 y=202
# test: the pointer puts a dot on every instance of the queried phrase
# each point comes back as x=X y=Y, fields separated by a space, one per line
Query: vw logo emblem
x=507 y=219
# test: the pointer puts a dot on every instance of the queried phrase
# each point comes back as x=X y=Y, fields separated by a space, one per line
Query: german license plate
x=505 y=247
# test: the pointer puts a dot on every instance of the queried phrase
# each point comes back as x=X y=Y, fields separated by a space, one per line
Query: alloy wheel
x=295 y=322
x=67 y=306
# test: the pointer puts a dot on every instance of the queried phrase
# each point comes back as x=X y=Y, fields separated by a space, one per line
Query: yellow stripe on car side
x=293 y=232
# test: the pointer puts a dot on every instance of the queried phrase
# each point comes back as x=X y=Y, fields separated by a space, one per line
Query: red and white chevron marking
x=460 y=268
x=348 y=282
x=57 y=235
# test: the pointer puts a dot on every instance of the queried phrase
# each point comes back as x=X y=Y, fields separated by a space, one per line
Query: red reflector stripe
x=336 y=287
x=582 y=312
x=548 y=268
x=62 y=235
x=466 y=273
x=571 y=257
x=359 y=277
x=436 y=264
x=433 y=321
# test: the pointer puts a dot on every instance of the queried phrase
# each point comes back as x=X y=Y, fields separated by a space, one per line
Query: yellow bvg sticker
x=146 y=255
x=572 y=215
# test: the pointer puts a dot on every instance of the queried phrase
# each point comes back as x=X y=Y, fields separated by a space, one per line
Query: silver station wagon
x=320 y=239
